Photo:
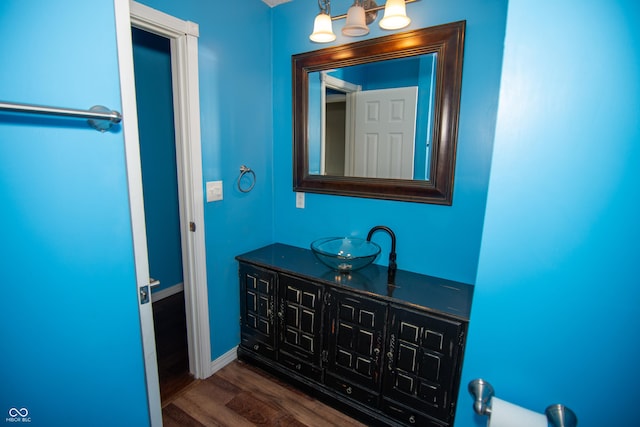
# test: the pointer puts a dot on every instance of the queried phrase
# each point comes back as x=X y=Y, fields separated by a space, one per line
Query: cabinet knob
x=412 y=419
x=349 y=390
x=256 y=347
x=298 y=366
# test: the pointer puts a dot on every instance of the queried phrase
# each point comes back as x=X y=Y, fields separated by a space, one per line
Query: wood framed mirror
x=355 y=88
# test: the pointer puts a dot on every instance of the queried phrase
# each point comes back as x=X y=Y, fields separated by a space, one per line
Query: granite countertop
x=427 y=292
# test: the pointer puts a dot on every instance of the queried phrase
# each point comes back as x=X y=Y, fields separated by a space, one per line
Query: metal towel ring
x=243 y=171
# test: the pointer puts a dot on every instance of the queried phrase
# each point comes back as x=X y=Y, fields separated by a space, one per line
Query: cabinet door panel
x=355 y=336
x=422 y=361
x=257 y=322
x=300 y=314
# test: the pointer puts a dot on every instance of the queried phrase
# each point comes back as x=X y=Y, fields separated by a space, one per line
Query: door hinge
x=325 y=356
x=192 y=226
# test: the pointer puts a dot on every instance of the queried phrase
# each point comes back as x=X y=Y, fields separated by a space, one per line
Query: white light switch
x=214 y=191
x=300 y=200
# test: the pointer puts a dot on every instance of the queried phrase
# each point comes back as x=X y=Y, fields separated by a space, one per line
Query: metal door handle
x=153 y=282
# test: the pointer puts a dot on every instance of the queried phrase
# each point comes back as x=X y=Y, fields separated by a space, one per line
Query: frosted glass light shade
x=356 y=24
x=395 y=15
x=322 y=29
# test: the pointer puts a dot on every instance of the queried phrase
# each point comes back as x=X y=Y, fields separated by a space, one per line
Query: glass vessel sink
x=345 y=254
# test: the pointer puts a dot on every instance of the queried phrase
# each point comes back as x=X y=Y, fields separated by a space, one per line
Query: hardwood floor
x=240 y=395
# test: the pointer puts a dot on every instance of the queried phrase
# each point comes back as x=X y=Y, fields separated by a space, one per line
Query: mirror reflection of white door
x=384 y=124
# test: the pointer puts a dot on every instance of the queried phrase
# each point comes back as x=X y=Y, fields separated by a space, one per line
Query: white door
x=183 y=36
x=134 y=179
x=152 y=56
x=384 y=133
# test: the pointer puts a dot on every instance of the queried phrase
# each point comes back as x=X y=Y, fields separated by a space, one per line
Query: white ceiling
x=273 y=3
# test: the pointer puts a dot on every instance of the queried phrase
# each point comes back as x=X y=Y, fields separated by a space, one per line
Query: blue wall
x=234 y=54
x=554 y=317
x=70 y=345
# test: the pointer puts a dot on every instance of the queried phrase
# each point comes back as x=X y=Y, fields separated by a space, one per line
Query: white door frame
x=183 y=36
x=328 y=81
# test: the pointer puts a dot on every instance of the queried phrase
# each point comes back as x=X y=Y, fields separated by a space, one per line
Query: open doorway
x=154 y=96
x=181 y=112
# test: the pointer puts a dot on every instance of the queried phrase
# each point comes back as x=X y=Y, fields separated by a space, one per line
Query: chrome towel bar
x=100 y=118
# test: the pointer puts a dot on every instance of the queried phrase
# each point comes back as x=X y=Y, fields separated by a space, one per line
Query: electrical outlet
x=300 y=200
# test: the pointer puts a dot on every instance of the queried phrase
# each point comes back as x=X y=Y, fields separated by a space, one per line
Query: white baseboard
x=223 y=360
x=165 y=293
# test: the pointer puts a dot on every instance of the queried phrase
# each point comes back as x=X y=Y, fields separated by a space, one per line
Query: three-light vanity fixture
x=359 y=15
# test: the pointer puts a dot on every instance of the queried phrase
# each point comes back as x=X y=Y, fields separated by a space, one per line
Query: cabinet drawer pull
x=256 y=347
x=412 y=419
x=349 y=390
x=298 y=366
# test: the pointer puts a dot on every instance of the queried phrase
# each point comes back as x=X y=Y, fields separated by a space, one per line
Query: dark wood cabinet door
x=299 y=321
x=422 y=361
x=355 y=335
x=257 y=310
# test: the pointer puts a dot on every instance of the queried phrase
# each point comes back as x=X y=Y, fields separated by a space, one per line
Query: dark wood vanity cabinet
x=385 y=355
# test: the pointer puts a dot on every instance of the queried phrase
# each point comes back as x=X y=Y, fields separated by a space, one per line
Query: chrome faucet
x=391 y=271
